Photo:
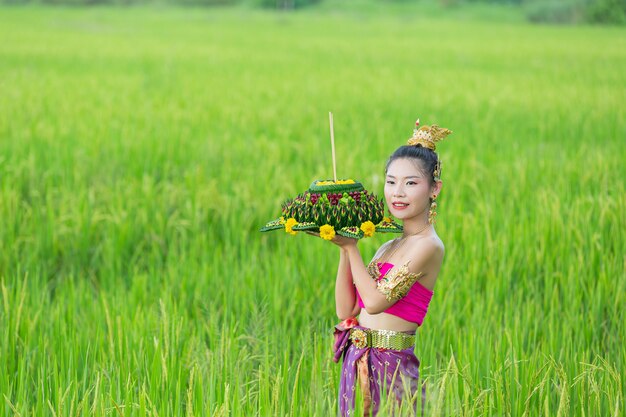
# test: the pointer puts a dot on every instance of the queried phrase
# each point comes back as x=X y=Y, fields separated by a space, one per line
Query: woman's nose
x=398 y=191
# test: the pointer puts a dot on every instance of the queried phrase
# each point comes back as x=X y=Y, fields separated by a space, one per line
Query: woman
x=391 y=295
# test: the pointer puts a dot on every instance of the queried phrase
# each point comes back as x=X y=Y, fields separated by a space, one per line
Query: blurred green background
x=554 y=11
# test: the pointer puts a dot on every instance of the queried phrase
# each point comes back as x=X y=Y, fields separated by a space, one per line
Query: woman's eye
x=389 y=182
x=411 y=183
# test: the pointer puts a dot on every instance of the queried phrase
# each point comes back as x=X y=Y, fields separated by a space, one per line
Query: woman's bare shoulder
x=427 y=248
x=426 y=257
x=436 y=243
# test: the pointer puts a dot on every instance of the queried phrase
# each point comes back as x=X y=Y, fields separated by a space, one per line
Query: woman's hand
x=344 y=242
x=341 y=241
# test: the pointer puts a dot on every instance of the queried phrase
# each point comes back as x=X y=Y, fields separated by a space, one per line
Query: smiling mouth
x=399 y=205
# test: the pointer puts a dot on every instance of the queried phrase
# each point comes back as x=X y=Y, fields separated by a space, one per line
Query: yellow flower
x=291 y=222
x=387 y=220
x=368 y=228
x=327 y=232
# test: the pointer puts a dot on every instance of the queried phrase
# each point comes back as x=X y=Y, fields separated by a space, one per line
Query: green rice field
x=142 y=148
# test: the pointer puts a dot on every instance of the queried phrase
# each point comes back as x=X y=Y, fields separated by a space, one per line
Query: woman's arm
x=346 y=304
x=374 y=300
x=352 y=273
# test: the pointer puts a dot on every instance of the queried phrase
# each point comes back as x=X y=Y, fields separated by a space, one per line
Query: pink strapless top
x=413 y=306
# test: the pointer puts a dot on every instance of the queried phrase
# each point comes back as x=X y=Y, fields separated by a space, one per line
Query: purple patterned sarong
x=376 y=372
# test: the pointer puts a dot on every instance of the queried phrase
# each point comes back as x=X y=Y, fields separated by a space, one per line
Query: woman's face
x=407 y=190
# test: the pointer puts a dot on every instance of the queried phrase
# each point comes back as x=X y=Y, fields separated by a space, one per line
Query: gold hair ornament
x=428 y=136
x=437 y=171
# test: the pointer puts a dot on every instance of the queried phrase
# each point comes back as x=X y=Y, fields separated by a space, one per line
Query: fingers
x=344 y=241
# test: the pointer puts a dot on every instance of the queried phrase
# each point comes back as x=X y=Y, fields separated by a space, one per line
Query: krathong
x=343 y=207
x=330 y=207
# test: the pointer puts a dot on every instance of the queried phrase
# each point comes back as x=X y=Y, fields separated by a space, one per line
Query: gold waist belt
x=385 y=339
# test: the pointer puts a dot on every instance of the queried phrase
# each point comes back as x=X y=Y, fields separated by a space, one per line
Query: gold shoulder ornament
x=396 y=285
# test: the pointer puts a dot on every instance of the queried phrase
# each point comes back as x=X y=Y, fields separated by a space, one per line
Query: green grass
x=141 y=150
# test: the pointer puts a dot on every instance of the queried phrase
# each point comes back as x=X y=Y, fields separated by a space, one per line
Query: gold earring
x=432 y=213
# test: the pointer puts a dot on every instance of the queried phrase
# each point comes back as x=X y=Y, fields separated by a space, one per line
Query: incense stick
x=332 y=144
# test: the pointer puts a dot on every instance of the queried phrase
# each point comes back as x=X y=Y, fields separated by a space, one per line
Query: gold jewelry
x=372 y=267
x=432 y=212
x=397 y=285
x=437 y=171
x=418 y=232
x=428 y=136
x=403 y=239
x=385 y=339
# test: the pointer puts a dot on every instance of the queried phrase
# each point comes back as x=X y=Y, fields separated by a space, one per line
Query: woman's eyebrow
x=410 y=176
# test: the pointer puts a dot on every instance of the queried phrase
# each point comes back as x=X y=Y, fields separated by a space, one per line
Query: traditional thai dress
x=381 y=361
